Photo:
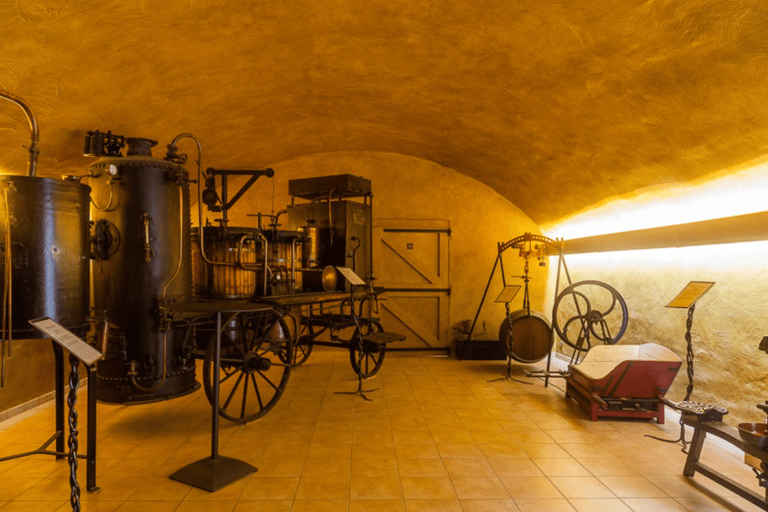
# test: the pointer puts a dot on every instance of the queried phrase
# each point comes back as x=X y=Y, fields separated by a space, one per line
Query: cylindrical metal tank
x=48 y=221
x=141 y=258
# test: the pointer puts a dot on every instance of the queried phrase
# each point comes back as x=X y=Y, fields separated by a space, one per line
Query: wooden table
x=731 y=435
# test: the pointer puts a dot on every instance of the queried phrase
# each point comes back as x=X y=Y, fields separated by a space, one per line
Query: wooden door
x=411 y=261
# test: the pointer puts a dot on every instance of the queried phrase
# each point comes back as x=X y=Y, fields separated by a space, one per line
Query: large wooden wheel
x=256 y=360
x=366 y=362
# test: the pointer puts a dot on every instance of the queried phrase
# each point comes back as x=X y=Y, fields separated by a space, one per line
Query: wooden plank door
x=411 y=261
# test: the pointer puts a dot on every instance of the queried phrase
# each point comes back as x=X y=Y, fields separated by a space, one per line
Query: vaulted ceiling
x=555 y=105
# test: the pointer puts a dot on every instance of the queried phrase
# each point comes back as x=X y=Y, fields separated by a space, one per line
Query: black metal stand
x=58 y=437
x=360 y=391
x=689 y=389
x=216 y=471
x=510 y=344
x=74 y=382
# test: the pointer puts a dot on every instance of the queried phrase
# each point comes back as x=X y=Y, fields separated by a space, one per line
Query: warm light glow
x=745 y=256
x=734 y=193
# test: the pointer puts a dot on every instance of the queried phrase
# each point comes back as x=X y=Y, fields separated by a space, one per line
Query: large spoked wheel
x=256 y=356
x=588 y=312
x=366 y=363
x=303 y=347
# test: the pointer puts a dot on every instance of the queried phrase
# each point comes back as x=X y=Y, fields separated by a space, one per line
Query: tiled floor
x=437 y=436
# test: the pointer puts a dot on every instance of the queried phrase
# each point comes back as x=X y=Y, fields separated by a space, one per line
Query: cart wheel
x=303 y=346
x=255 y=366
x=367 y=364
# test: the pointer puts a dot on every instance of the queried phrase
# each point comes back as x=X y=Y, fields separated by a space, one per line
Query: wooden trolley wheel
x=367 y=363
x=256 y=357
x=303 y=347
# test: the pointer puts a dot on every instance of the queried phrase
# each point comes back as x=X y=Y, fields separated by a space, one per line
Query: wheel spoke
x=267 y=379
x=228 y=375
x=232 y=393
x=245 y=398
x=258 y=393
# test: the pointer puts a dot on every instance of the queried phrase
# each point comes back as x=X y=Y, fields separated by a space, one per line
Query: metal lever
x=145 y=218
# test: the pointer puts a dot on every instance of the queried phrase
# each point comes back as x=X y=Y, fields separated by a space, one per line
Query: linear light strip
x=727 y=230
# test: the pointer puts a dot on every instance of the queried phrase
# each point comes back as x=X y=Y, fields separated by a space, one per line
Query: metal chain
x=74 y=380
x=689 y=357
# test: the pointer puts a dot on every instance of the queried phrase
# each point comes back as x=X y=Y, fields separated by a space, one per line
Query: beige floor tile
x=452 y=436
x=160 y=489
x=458 y=451
x=530 y=487
x=632 y=487
x=376 y=488
x=231 y=492
x=148 y=506
x=12 y=487
x=462 y=468
x=330 y=467
x=437 y=505
x=270 y=488
x=337 y=450
x=412 y=436
x=424 y=467
x=320 y=506
x=515 y=467
x=607 y=467
x=375 y=467
x=561 y=467
x=489 y=505
x=416 y=451
x=35 y=506
x=544 y=505
x=324 y=488
x=93 y=506
x=507 y=450
x=206 y=506
x=270 y=468
x=428 y=488
x=545 y=451
x=263 y=506
x=586 y=450
x=581 y=487
x=599 y=505
x=479 y=487
x=654 y=505
x=376 y=506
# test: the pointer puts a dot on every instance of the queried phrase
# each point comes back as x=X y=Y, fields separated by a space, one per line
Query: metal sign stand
x=79 y=351
x=216 y=471
x=687 y=299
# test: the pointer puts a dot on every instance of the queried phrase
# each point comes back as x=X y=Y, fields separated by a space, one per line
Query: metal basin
x=755 y=434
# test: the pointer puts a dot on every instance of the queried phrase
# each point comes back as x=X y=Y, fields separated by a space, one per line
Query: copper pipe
x=111 y=196
x=7 y=297
x=181 y=239
x=157 y=386
x=34 y=146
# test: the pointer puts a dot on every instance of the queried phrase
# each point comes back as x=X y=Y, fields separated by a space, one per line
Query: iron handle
x=145 y=218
